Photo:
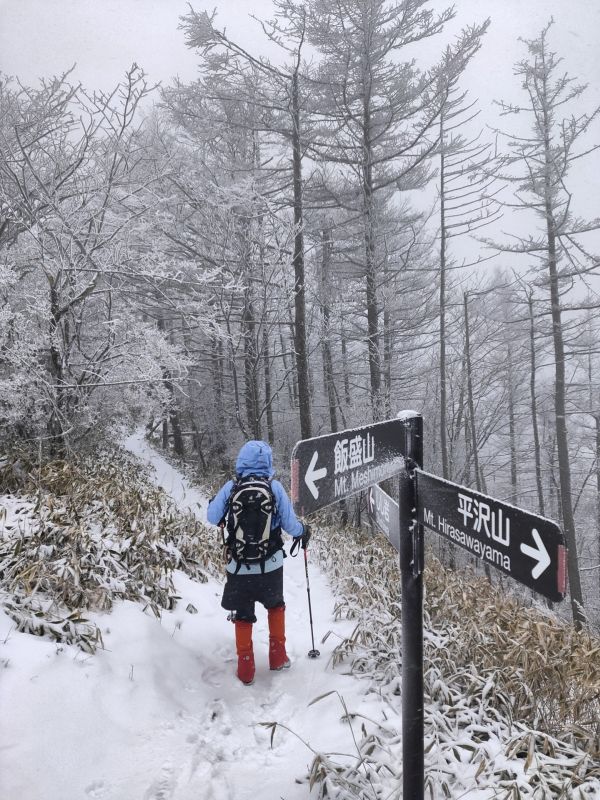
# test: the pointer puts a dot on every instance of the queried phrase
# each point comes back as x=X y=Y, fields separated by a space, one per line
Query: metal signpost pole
x=411 y=574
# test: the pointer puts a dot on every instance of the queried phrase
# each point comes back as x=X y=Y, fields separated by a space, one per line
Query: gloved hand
x=306 y=535
x=301 y=541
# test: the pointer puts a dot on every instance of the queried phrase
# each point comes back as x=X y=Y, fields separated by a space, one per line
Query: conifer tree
x=378 y=116
x=539 y=164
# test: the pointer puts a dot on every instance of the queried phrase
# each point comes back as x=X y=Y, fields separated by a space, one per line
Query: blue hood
x=255 y=458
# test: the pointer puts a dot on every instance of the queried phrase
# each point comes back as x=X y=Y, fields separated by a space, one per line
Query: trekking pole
x=311 y=653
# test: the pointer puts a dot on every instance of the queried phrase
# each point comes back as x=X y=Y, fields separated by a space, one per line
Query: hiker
x=253 y=510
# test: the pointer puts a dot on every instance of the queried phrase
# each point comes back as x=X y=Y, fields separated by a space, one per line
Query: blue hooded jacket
x=256 y=458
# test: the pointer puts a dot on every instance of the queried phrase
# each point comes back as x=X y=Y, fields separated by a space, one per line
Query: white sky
x=41 y=37
x=103 y=37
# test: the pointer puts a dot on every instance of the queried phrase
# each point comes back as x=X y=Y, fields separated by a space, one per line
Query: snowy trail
x=167 y=478
x=232 y=756
x=159 y=714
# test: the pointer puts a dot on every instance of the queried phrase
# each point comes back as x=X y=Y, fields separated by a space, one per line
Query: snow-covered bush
x=94 y=532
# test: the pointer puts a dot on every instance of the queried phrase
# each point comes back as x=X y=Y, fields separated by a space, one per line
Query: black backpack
x=250 y=511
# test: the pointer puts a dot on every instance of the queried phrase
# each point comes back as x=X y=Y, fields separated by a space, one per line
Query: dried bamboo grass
x=98 y=533
x=495 y=671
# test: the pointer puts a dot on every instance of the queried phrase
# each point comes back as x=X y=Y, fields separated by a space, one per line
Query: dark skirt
x=243 y=591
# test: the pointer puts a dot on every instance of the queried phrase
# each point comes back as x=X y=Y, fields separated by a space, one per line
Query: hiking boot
x=245 y=670
x=245 y=654
x=277 y=656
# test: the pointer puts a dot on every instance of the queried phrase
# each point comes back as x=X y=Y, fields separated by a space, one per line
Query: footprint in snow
x=213 y=750
x=211 y=677
x=96 y=790
x=225 y=652
x=218 y=716
x=164 y=786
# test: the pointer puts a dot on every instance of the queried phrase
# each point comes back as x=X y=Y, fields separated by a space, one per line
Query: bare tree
x=466 y=192
x=375 y=123
x=277 y=105
x=73 y=179
x=539 y=164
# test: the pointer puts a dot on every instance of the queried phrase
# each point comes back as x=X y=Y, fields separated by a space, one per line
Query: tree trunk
x=298 y=261
x=471 y=407
x=250 y=369
x=534 y=413
x=288 y=381
x=387 y=354
x=173 y=409
x=217 y=376
x=197 y=439
x=466 y=477
x=328 y=380
x=236 y=391
x=459 y=418
x=555 y=501
x=514 y=490
x=178 y=445
x=442 y=308
x=597 y=420
x=345 y=366
x=470 y=400
x=266 y=354
x=326 y=245
x=248 y=325
x=55 y=421
x=371 y=280
x=562 y=435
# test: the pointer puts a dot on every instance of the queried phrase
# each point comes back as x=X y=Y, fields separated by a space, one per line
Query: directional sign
x=529 y=548
x=332 y=467
x=384 y=512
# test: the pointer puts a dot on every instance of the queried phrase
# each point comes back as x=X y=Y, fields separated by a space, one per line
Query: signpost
x=332 y=467
x=521 y=544
x=385 y=513
x=529 y=548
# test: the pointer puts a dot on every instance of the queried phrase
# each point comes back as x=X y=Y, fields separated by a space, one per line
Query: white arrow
x=313 y=475
x=371 y=498
x=540 y=554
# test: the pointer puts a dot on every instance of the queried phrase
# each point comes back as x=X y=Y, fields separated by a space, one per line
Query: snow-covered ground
x=159 y=714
